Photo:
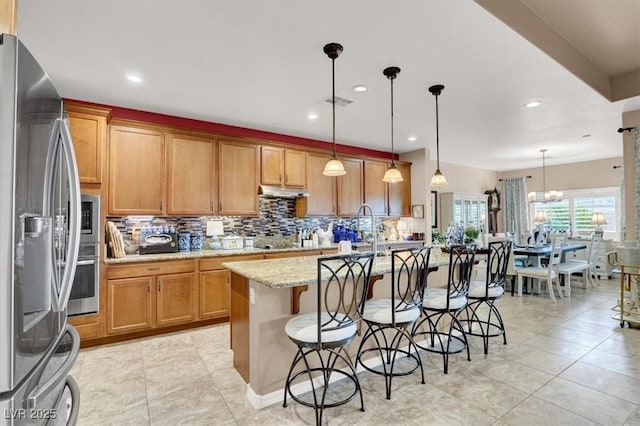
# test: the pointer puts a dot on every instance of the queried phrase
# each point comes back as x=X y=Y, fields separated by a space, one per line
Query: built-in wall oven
x=84 y=297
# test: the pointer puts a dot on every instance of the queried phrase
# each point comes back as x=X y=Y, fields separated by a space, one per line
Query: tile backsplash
x=276 y=218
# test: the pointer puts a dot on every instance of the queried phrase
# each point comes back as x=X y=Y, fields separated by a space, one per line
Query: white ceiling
x=260 y=64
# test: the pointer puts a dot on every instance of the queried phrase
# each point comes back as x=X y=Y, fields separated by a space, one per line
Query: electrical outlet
x=252 y=296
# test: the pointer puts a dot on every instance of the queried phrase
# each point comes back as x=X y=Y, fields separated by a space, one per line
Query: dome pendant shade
x=392 y=175
x=334 y=167
x=438 y=179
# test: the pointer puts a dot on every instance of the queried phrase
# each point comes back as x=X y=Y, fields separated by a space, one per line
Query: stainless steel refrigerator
x=39 y=239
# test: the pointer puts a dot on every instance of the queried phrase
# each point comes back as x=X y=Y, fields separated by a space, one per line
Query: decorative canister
x=184 y=241
x=197 y=240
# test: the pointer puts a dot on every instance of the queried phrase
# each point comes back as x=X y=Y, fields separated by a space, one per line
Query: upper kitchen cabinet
x=350 y=191
x=283 y=167
x=136 y=171
x=400 y=193
x=375 y=190
x=322 y=189
x=88 y=127
x=190 y=175
x=238 y=178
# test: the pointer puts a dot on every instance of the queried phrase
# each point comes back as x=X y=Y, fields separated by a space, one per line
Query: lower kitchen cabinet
x=154 y=294
x=214 y=294
x=129 y=304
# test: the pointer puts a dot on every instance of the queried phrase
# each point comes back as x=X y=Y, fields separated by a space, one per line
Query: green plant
x=471 y=234
x=437 y=237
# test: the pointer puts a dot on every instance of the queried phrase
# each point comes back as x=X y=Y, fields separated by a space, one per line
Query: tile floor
x=565 y=364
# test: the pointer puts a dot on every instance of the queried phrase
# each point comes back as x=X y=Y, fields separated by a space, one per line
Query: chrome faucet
x=362 y=212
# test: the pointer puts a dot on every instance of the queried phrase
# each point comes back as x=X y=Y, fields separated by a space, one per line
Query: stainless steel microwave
x=90 y=218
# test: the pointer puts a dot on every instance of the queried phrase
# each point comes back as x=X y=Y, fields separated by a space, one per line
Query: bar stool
x=322 y=336
x=440 y=304
x=388 y=320
x=486 y=292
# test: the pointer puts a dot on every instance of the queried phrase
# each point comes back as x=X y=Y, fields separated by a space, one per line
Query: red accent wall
x=229 y=130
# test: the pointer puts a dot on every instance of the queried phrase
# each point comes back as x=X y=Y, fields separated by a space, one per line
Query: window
x=573 y=213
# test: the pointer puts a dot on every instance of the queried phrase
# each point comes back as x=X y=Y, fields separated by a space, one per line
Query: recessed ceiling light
x=533 y=104
x=360 y=88
x=313 y=116
x=412 y=138
x=134 y=78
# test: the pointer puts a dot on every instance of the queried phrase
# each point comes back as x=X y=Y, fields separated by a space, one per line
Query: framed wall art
x=434 y=209
x=417 y=211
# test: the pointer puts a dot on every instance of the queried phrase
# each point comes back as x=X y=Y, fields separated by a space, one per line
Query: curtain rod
x=526 y=177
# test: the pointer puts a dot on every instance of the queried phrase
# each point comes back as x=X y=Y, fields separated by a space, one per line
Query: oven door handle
x=86 y=262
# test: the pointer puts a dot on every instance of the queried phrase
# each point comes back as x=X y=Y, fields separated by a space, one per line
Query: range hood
x=280 y=192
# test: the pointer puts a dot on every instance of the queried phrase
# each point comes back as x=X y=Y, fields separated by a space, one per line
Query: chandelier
x=544 y=196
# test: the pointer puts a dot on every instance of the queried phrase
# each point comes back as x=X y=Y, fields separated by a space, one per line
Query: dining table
x=540 y=252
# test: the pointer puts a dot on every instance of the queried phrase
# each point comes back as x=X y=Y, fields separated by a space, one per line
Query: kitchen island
x=265 y=294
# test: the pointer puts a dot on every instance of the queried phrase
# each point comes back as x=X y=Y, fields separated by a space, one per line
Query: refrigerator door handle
x=47 y=387
x=61 y=140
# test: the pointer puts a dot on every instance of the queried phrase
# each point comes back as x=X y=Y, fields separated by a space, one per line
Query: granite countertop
x=134 y=258
x=297 y=271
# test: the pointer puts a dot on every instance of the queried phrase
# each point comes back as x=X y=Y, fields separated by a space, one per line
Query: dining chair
x=388 y=320
x=440 y=329
x=488 y=323
x=322 y=336
x=586 y=267
x=547 y=273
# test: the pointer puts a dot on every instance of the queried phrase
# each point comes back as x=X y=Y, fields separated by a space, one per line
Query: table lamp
x=214 y=229
x=597 y=218
x=541 y=216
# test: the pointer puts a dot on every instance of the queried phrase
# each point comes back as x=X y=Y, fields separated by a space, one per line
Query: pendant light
x=392 y=175
x=438 y=178
x=334 y=167
x=544 y=196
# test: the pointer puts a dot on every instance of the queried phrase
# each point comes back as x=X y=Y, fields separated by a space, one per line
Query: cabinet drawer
x=150 y=268
x=216 y=262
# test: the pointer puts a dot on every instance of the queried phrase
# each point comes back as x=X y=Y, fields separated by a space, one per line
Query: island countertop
x=297 y=271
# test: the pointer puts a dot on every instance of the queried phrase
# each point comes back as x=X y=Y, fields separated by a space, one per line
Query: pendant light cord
x=393 y=164
x=437 y=137
x=333 y=102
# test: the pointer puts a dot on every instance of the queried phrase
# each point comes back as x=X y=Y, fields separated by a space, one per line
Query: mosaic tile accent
x=276 y=218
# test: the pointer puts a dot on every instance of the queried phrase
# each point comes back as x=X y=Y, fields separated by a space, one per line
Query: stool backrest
x=498 y=260
x=341 y=291
x=461 y=259
x=409 y=278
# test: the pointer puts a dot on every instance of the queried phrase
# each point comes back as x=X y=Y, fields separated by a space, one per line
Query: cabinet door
x=350 y=192
x=238 y=178
x=214 y=294
x=190 y=175
x=375 y=190
x=322 y=189
x=89 y=132
x=271 y=165
x=129 y=304
x=136 y=171
x=400 y=193
x=176 y=298
x=295 y=166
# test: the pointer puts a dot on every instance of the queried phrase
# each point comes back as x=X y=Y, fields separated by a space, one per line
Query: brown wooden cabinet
x=350 y=191
x=150 y=294
x=129 y=304
x=176 y=299
x=400 y=193
x=283 y=167
x=190 y=175
x=214 y=286
x=387 y=199
x=375 y=190
x=88 y=126
x=322 y=189
x=136 y=171
x=238 y=177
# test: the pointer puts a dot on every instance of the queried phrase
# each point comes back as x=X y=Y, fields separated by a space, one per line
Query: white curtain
x=637 y=133
x=516 y=206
